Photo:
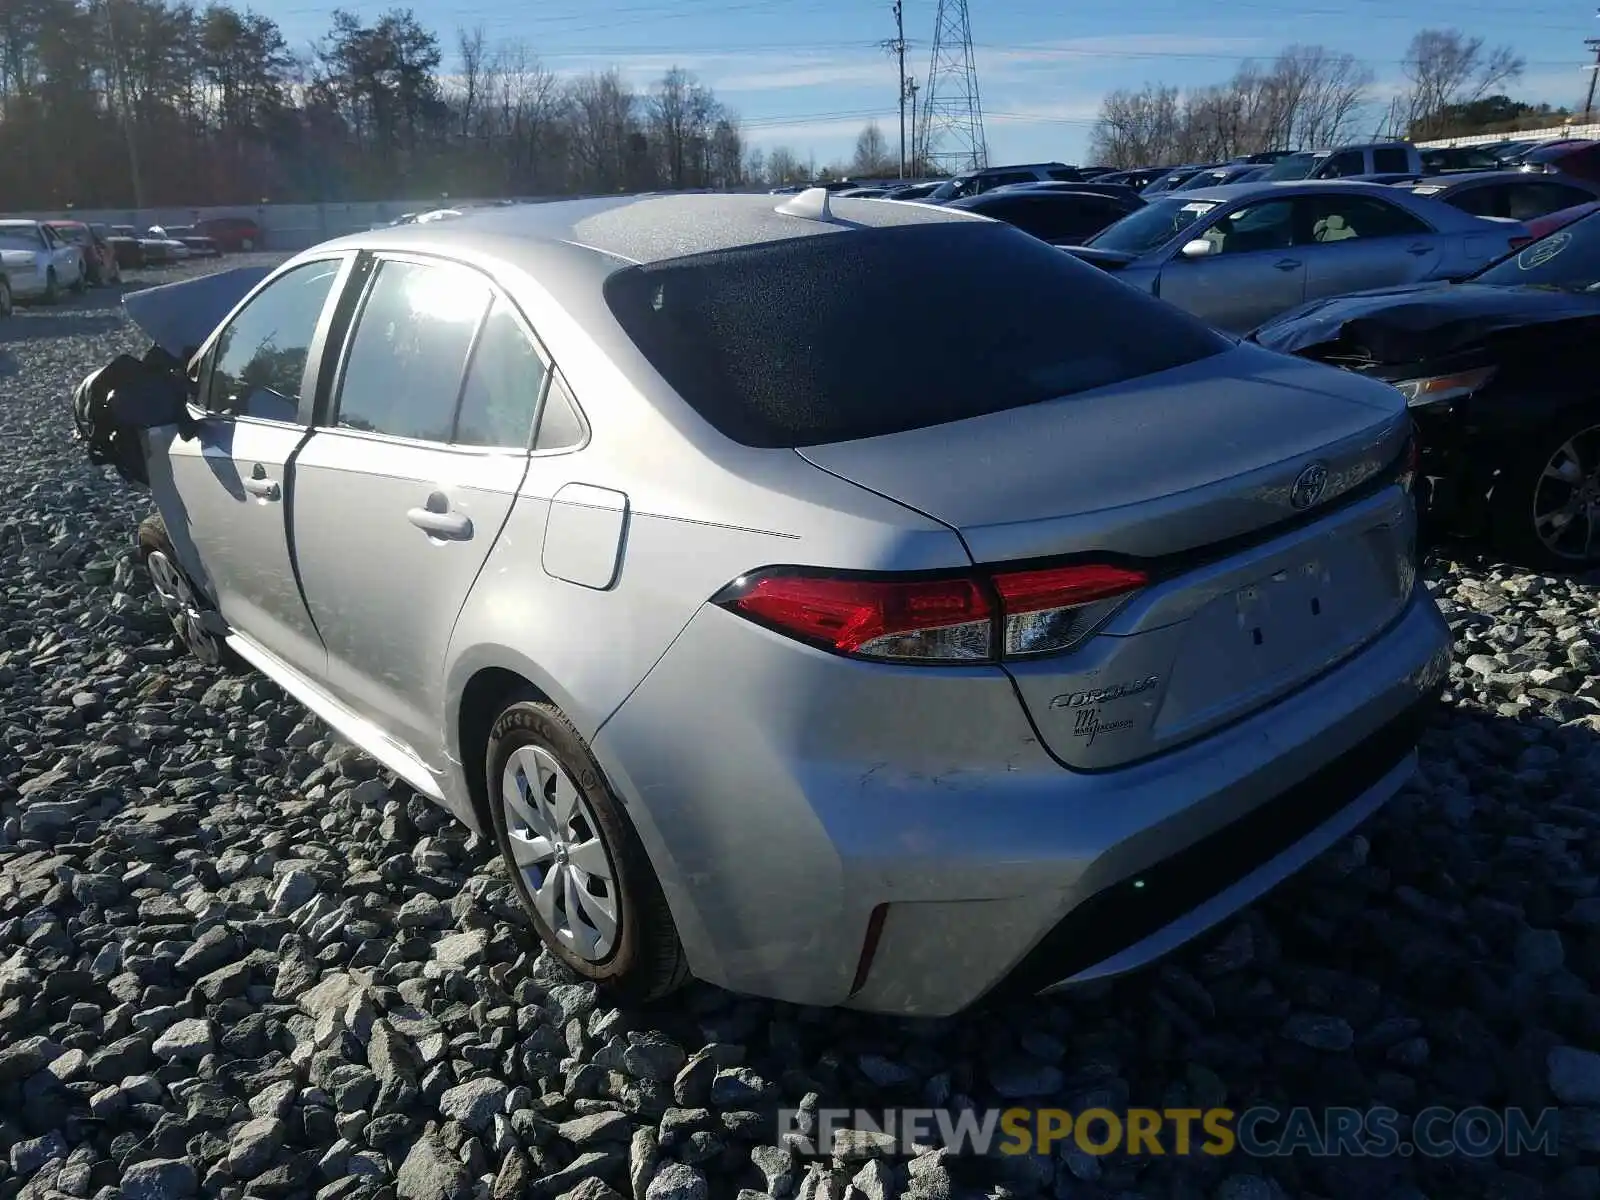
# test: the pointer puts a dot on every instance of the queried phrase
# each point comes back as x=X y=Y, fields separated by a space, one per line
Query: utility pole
x=1594 y=73
x=912 y=88
x=897 y=47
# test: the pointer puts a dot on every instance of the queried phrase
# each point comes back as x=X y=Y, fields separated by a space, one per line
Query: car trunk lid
x=1253 y=592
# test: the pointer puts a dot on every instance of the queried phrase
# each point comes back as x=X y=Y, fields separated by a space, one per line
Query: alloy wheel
x=557 y=846
x=183 y=610
x=1566 y=497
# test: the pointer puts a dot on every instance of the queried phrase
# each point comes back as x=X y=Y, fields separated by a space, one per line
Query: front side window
x=1268 y=225
x=1344 y=164
x=258 y=362
x=408 y=354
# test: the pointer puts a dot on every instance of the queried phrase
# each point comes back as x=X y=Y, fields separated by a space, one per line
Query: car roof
x=1225 y=192
x=16 y=223
x=1446 y=183
x=640 y=229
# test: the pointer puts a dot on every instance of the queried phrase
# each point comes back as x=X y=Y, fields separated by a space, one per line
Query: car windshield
x=952 y=189
x=801 y=342
x=18 y=239
x=1568 y=259
x=1154 y=225
x=1295 y=166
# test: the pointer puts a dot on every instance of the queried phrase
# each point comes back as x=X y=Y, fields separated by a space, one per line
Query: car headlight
x=1440 y=389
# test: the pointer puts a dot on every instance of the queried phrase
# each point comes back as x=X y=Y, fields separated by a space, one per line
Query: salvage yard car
x=1499 y=373
x=765 y=652
x=1238 y=254
x=38 y=263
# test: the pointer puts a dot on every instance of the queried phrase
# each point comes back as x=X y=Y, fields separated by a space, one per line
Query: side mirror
x=1199 y=248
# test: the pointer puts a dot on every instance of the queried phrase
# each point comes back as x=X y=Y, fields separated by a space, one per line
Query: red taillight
x=976 y=618
x=879 y=618
x=1049 y=610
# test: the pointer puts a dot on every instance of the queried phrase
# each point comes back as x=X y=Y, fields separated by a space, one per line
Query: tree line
x=1310 y=96
x=118 y=103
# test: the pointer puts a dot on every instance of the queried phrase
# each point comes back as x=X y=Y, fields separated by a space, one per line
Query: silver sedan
x=628 y=530
x=1241 y=254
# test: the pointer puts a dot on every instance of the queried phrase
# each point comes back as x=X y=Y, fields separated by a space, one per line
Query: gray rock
x=474 y=1103
x=1024 y=1079
x=253 y=1145
x=431 y=1172
x=677 y=1181
x=1319 y=1031
x=184 y=1041
x=596 y=1128
x=159 y=1179
x=27 y=1057
x=1539 y=952
x=643 y=1157
x=738 y=1087
x=1574 y=1075
x=464 y=950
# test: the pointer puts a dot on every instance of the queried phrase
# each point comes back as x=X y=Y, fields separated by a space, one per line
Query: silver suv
x=630 y=531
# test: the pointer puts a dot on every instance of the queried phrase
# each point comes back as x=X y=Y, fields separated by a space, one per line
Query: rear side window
x=503 y=385
x=1346 y=162
x=1488 y=201
x=843 y=336
x=1390 y=160
x=409 y=351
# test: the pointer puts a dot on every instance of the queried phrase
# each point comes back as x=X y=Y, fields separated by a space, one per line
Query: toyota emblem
x=1308 y=485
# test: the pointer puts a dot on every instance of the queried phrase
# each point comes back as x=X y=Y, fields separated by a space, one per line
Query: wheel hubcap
x=178 y=598
x=557 y=847
x=1566 y=498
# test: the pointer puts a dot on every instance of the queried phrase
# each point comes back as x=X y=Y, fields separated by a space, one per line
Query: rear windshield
x=1295 y=166
x=835 y=337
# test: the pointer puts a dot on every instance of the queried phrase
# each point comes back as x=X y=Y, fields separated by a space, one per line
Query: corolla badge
x=1308 y=485
x=1543 y=251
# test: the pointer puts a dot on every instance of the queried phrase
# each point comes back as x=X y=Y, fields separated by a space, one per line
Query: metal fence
x=1485 y=139
x=286 y=226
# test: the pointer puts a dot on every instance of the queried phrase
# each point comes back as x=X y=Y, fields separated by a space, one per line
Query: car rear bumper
x=836 y=833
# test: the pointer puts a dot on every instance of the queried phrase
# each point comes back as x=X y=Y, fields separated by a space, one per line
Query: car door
x=1352 y=242
x=64 y=256
x=406 y=481
x=1252 y=273
x=225 y=492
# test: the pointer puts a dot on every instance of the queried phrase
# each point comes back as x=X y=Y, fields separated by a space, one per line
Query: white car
x=170 y=246
x=36 y=264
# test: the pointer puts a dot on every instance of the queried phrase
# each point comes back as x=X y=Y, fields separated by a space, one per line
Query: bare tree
x=1308 y=95
x=783 y=167
x=1445 y=68
x=872 y=153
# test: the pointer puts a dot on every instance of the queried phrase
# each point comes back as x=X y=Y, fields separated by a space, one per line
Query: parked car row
x=38 y=262
x=1143 y=594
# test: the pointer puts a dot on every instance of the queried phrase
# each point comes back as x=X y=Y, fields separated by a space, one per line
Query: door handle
x=434 y=517
x=1287 y=264
x=1419 y=250
x=259 y=485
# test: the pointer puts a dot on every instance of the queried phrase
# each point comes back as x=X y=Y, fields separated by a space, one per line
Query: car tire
x=246 y=245
x=184 y=603
x=1555 y=474
x=81 y=283
x=568 y=831
x=5 y=297
x=52 y=287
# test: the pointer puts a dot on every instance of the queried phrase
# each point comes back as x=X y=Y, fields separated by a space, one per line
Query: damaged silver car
x=765 y=650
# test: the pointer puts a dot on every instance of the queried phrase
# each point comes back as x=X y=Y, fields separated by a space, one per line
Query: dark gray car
x=1241 y=254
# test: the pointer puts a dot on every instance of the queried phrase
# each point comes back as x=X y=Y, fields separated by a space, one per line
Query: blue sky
x=808 y=74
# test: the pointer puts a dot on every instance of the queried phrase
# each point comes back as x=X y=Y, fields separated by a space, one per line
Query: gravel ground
x=238 y=959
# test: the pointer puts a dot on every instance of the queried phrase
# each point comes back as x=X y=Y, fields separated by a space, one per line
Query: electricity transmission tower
x=1594 y=72
x=951 y=138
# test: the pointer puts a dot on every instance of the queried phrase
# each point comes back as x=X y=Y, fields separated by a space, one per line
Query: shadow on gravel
x=76 y=322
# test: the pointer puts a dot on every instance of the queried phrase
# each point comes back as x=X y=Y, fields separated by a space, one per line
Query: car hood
x=1400 y=324
x=179 y=316
x=1109 y=260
